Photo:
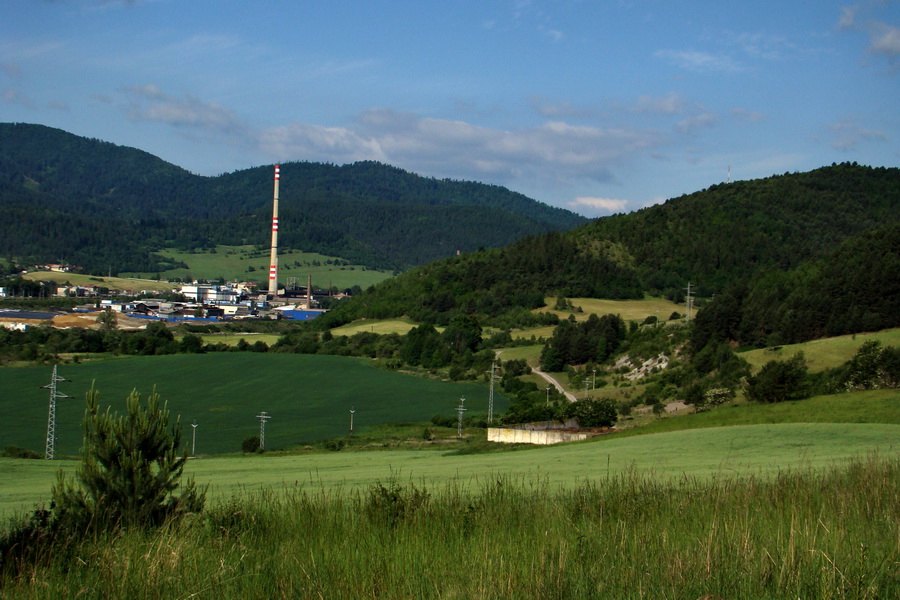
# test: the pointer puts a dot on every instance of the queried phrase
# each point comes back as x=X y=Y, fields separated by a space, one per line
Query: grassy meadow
x=629 y=310
x=240 y=263
x=113 y=283
x=308 y=397
x=810 y=532
x=822 y=354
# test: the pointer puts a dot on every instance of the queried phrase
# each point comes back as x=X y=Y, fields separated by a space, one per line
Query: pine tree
x=130 y=468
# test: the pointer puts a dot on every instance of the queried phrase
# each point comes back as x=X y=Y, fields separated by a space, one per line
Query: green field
x=241 y=263
x=308 y=397
x=822 y=354
x=760 y=450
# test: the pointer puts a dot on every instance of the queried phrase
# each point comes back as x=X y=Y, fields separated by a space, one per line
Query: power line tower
x=459 y=416
x=494 y=377
x=55 y=395
x=263 y=417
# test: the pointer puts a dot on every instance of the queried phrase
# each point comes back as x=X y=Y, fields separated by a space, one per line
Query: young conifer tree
x=130 y=469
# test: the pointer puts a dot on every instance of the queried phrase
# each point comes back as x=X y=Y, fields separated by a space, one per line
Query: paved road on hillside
x=555 y=384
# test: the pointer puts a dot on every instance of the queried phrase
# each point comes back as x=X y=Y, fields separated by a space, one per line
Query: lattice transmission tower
x=55 y=395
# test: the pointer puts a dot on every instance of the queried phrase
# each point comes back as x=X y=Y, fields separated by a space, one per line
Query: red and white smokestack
x=273 y=259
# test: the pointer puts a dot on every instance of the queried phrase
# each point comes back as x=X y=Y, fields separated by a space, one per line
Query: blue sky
x=596 y=106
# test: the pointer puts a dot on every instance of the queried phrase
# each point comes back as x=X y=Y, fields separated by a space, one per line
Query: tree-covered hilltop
x=503 y=284
x=108 y=207
x=717 y=239
x=727 y=232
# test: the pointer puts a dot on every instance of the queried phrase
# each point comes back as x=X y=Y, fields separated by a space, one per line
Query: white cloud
x=554 y=151
x=848 y=17
x=11 y=70
x=149 y=103
x=16 y=97
x=750 y=116
x=885 y=39
x=702 y=120
x=702 y=62
x=670 y=104
x=848 y=134
x=609 y=205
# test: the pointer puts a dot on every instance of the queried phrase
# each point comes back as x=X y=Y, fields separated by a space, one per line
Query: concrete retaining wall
x=523 y=436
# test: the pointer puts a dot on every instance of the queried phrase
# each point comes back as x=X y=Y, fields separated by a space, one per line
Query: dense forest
x=107 y=207
x=727 y=232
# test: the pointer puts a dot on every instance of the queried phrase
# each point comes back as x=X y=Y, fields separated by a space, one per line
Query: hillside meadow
x=308 y=397
x=113 y=283
x=241 y=263
x=822 y=354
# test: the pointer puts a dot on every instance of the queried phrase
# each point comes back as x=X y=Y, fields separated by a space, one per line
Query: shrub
x=779 y=381
x=250 y=445
x=12 y=451
x=600 y=412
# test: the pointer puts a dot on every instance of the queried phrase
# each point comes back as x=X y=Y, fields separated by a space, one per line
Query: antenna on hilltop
x=729 y=175
x=55 y=394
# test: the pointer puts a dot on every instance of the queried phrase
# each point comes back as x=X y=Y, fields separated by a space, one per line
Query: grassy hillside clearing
x=822 y=354
x=762 y=450
x=232 y=339
x=381 y=327
x=629 y=310
x=240 y=263
x=113 y=283
x=308 y=397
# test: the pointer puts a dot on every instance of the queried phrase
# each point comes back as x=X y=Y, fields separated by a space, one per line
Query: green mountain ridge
x=100 y=205
x=828 y=238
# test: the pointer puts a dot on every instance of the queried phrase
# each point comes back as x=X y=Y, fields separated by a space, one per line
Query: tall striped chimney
x=273 y=259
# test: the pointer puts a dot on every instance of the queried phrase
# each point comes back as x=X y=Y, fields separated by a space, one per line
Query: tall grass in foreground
x=831 y=533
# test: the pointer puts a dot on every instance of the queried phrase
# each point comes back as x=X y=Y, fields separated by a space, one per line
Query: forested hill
x=729 y=237
x=727 y=232
x=104 y=206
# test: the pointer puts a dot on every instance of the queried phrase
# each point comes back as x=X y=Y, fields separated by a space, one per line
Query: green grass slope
x=762 y=450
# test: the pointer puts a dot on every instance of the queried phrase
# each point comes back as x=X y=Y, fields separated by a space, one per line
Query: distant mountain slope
x=101 y=205
x=715 y=238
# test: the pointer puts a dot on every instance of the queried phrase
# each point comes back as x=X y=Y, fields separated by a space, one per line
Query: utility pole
x=689 y=301
x=491 y=397
x=459 y=417
x=263 y=417
x=55 y=395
